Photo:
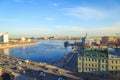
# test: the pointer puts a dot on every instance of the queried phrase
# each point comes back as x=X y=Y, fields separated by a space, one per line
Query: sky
x=60 y=17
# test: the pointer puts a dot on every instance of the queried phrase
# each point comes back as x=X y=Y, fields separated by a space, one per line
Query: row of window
x=88 y=69
x=115 y=67
x=115 y=61
x=96 y=69
x=101 y=60
x=94 y=65
x=94 y=60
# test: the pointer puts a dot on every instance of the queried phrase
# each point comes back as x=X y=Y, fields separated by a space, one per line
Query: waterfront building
x=0 y=71
x=29 y=40
x=4 y=38
x=109 y=39
x=23 y=39
x=98 y=62
x=46 y=38
x=92 y=60
x=96 y=38
x=86 y=41
x=114 y=59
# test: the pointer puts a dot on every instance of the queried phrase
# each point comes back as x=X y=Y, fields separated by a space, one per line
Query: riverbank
x=17 y=45
x=62 y=62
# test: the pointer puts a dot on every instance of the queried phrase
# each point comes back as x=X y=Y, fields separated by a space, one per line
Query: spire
x=86 y=35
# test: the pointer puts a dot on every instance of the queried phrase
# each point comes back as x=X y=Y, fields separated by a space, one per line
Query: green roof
x=93 y=53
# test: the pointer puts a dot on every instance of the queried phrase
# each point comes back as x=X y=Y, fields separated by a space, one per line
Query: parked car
x=41 y=73
x=62 y=78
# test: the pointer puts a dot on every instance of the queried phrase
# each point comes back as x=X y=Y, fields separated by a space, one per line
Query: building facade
x=0 y=71
x=90 y=60
x=86 y=42
x=109 y=39
x=4 y=38
x=100 y=63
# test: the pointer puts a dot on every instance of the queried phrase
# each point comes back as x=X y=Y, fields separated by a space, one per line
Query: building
x=109 y=39
x=4 y=38
x=100 y=63
x=23 y=39
x=86 y=41
x=92 y=60
x=0 y=71
x=114 y=59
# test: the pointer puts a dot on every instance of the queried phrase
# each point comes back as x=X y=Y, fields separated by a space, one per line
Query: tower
x=85 y=41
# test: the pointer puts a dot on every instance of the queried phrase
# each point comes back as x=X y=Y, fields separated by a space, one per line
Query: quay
x=3 y=46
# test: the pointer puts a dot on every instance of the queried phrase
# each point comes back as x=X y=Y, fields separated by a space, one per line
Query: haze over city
x=60 y=17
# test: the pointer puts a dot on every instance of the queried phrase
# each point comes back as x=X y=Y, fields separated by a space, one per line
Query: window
x=95 y=60
x=116 y=62
x=92 y=65
x=95 y=65
x=112 y=67
x=102 y=66
x=103 y=60
x=89 y=59
x=112 y=61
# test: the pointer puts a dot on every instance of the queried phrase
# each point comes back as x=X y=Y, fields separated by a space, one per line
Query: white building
x=86 y=41
x=4 y=37
x=23 y=39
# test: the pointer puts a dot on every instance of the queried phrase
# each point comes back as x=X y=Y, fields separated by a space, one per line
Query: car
x=62 y=78
x=26 y=61
x=19 y=62
x=18 y=67
x=28 y=70
x=41 y=73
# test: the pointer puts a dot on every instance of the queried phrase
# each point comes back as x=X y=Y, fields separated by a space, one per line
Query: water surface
x=45 y=51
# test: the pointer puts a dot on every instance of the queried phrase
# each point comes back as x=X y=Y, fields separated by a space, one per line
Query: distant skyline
x=60 y=17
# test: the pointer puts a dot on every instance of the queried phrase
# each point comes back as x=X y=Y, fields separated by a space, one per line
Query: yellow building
x=109 y=39
x=114 y=59
x=0 y=71
x=98 y=61
x=90 y=61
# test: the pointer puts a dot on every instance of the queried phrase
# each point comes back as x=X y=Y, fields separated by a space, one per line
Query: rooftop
x=114 y=51
x=94 y=53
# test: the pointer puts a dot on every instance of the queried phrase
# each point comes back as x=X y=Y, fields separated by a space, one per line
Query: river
x=44 y=51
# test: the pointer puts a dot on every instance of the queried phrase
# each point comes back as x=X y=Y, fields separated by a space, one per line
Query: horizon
x=60 y=18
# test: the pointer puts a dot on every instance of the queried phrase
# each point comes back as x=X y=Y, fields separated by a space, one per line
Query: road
x=18 y=66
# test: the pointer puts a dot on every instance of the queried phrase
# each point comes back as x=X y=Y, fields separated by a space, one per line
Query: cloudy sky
x=60 y=17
